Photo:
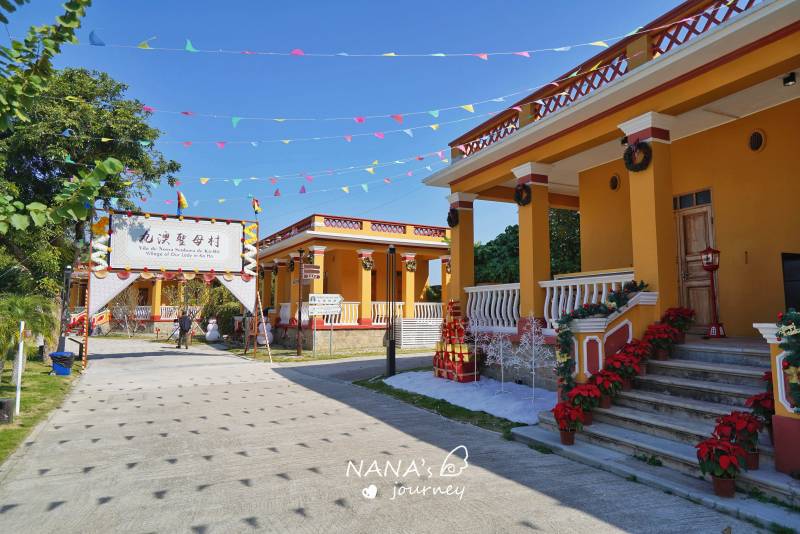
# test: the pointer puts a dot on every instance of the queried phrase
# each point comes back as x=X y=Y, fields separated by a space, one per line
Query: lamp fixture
x=790 y=79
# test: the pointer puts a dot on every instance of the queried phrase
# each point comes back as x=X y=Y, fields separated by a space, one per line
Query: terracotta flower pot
x=588 y=418
x=724 y=487
x=627 y=385
x=752 y=459
x=567 y=437
x=605 y=401
x=661 y=354
x=642 y=368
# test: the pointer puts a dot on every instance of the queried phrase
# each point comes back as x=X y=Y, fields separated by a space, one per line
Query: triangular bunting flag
x=277 y=193
x=235 y=121
x=434 y=113
x=187 y=144
x=365 y=187
x=522 y=54
x=236 y=182
x=346 y=189
x=379 y=135
x=370 y=170
x=297 y=52
x=398 y=118
x=189 y=46
x=601 y=44
x=221 y=200
x=434 y=127
x=484 y=57
x=145 y=45
x=359 y=120
x=203 y=180
x=302 y=189
x=348 y=138
x=286 y=141
x=408 y=132
x=220 y=144
x=469 y=107
x=94 y=40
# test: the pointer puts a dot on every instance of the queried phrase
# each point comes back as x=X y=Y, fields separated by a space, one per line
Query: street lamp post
x=300 y=260
x=710 y=260
x=391 y=259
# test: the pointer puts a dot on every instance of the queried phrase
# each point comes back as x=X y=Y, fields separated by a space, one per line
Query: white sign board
x=138 y=242
x=324 y=304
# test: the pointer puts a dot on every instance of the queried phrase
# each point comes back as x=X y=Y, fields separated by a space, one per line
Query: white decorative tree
x=478 y=341
x=532 y=351
x=500 y=351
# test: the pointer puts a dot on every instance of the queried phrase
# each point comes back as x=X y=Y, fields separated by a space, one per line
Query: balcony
x=687 y=21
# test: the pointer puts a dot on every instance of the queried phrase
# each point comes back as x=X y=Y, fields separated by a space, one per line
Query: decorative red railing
x=277 y=237
x=686 y=21
x=389 y=228
x=429 y=231
x=341 y=222
x=718 y=12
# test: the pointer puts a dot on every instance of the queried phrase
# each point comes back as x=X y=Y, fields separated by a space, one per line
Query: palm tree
x=38 y=313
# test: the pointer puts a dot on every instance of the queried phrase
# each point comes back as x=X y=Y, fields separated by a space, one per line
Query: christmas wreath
x=638 y=156
x=448 y=267
x=291 y=265
x=367 y=263
x=452 y=218
x=522 y=194
x=789 y=337
x=411 y=266
x=308 y=259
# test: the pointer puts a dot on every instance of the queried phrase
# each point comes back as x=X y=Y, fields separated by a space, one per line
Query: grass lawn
x=41 y=393
x=283 y=355
x=442 y=407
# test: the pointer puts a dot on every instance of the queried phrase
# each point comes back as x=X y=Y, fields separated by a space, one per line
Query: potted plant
x=626 y=366
x=723 y=460
x=569 y=419
x=741 y=428
x=609 y=383
x=763 y=407
x=680 y=319
x=661 y=336
x=587 y=396
x=640 y=350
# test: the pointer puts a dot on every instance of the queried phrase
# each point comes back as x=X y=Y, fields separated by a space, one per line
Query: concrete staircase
x=672 y=408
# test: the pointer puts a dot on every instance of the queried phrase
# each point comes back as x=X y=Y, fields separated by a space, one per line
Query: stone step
x=673 y=427
x=671 y=405
x=746 y=354
x=746 y=375
x=673 y=482
x=733 y=395
x=678 y=456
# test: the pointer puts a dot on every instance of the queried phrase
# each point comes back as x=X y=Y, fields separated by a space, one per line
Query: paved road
x=158 y=440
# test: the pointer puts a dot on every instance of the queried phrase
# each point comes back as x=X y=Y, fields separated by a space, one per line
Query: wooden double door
x=695 y=232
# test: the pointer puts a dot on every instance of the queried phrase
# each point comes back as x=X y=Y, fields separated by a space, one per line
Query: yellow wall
x=754 y=198
x=605 y=218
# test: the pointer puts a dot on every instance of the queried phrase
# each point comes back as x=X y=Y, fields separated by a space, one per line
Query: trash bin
x=62 y=362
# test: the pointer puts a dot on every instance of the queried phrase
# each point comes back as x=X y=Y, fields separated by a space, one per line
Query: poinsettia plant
x=763 y=406
x=625 y=365
x=637 y=348
x=608 y=382
x=741 y=428
x=620 y=298
x=587 y=396
x=679 y=318
x=568 y=417
x=661 y=335
x=720 y=457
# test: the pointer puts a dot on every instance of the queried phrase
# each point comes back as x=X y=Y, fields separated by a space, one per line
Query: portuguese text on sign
x=324 y=304
x=311 y=272
x=139 y=242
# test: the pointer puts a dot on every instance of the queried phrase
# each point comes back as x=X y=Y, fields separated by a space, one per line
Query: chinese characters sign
x=138 y=242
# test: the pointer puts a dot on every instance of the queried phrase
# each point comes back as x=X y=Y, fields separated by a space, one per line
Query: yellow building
x=710 y=88
x=351 y=254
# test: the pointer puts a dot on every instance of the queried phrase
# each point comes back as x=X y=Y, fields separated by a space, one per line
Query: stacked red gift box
x=452 y=359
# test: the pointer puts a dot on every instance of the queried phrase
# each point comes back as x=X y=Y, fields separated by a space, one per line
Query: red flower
x=587 y=396
x=719 y=457
x=767 y=377
x=785 y=364
x=567 y=416
x=739 y=427
x=607 y=381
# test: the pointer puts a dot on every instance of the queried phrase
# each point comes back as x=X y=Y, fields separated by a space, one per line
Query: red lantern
x=710 y=260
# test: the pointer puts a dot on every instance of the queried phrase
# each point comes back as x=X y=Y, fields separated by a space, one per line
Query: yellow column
x=446 y=268
x=281 y=281
x=181 y=296
x=652 y=221
x=409 y=266
x=462 y=247
x=294 y=284
x=318 y=285
x=365 y=286
x=156 y=300
x=534 y=240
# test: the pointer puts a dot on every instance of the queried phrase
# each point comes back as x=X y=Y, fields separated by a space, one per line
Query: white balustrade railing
x=569 y=292
x=285 y=312
x=348 y=316
x=169 y=312
x=493 y=308
x=380 y=312
x=428 y=310
x=143 y=313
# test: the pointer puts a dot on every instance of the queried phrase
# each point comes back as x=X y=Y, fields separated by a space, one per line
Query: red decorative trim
x=364 y=322
x=649 y=133
x=727 y=58
x=462 y=204
x=335 y=327
x=533 y=179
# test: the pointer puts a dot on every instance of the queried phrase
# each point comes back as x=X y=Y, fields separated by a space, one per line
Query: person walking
x=184 y=325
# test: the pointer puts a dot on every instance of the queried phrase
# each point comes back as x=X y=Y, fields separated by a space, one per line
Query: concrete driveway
x=154 y=439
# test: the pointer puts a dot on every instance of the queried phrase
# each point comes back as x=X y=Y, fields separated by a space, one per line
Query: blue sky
x=309 y=87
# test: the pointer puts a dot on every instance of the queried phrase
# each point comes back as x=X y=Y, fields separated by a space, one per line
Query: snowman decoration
x=262 y=329
x=212 y=334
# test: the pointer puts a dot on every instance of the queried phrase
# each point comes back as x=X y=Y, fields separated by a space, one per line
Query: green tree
x=83 y=117
x=37 y=311
x=497 y=261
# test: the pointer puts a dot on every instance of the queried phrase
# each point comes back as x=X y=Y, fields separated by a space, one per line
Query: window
x=685 y=201
x=690 y=200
